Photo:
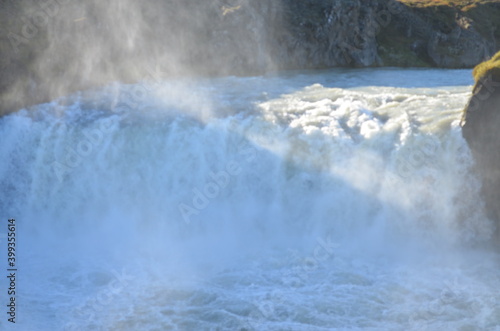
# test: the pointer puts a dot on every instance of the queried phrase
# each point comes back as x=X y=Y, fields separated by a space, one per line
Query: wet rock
x=480 y=125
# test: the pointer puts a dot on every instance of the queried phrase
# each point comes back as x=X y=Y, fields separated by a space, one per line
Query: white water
x=331 y=200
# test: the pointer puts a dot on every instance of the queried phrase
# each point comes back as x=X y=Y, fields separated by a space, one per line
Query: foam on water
x=306 y=201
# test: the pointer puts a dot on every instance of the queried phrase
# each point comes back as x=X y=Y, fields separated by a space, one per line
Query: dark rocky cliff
x=55 y=47
x=447 y=34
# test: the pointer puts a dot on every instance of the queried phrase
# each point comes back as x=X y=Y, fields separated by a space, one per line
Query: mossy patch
x=490 y=67
x=433 y=3
x=396 y=50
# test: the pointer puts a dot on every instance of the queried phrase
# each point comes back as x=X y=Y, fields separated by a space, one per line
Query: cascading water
x=302 y=201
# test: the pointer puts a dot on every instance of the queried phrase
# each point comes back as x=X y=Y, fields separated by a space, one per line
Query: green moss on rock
x=395 y=49
x=490 y=67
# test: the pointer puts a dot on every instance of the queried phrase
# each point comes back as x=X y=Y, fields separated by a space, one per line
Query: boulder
x=480 y=128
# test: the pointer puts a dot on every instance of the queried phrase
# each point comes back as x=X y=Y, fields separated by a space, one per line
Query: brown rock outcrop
x=480 y=127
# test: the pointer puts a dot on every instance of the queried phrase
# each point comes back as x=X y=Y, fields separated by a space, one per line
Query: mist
x=64 y=46
x=56 y=47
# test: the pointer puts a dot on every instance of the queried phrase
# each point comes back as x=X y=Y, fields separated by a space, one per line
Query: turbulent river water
x=330 y=200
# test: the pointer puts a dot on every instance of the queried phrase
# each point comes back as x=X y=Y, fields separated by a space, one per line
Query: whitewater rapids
x=330 y=200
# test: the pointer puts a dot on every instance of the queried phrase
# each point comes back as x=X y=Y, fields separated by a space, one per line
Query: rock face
x=52 y=48
x=319 y=34
x=480 y=125
x=440 y=34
